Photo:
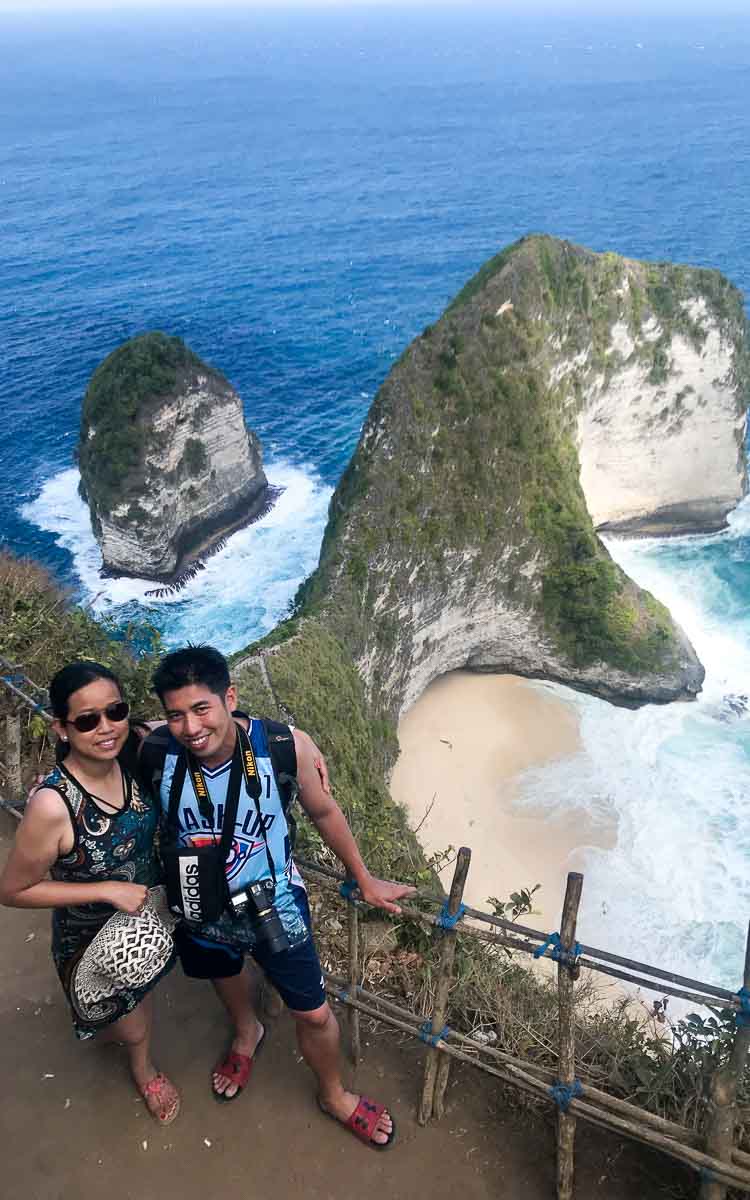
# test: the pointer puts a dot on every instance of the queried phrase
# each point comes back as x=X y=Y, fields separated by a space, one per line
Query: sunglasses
x=118 y=711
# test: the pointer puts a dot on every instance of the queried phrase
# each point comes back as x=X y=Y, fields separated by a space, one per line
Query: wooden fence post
x=354 y=981
x=723 y=1109
x=445 y=975
x=13 y=755
x=566 y=1072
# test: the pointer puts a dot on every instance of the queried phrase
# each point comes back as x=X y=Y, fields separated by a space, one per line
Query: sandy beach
x=463 y=746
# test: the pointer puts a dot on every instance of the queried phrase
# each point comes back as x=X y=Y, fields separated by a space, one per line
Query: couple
x=91 y=828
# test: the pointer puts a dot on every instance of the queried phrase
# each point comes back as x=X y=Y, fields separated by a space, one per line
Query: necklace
x=114 y=809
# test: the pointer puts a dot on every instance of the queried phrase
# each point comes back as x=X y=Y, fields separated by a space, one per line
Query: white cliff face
x=474 y=627
x=664 y=455
x=202 y=479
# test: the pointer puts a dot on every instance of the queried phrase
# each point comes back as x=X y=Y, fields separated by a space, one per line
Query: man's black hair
x=203 y=666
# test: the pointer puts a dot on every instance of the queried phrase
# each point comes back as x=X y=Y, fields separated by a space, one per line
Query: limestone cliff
x=459 y=536
x=167 y=463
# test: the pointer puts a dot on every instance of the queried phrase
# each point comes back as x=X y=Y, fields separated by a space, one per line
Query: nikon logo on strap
x=199 y=784
x=250 y=763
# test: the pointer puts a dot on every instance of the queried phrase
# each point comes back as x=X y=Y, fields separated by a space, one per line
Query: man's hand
x=382 y=893
x=35 y=786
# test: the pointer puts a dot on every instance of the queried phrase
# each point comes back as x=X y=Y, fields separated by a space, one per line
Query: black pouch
x=195 y=876
x=196 y=881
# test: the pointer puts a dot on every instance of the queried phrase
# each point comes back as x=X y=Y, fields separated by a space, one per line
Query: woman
x=91 y=831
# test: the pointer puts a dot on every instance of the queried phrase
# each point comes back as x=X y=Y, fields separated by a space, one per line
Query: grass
x=664 y=1069
x=42 y=629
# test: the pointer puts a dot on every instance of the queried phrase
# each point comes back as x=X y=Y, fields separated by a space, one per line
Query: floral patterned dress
x=108 y=845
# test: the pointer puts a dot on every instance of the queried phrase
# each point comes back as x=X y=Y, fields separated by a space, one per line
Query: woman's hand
x=126 y=897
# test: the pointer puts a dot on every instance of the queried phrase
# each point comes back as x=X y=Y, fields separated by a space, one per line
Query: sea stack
x=561 y=391
x=168 y=465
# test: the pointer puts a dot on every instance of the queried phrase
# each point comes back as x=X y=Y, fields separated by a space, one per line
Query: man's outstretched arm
x=332 y=826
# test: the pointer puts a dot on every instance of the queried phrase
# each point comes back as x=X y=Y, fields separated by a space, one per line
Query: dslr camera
x=257 y=903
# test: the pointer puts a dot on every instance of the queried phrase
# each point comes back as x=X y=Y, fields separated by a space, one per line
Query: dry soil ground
x=73 y=1127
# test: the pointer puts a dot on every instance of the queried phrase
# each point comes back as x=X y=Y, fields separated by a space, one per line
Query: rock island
x=168 y=465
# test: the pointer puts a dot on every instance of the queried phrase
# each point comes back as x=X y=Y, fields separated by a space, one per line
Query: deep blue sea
x=297 y=195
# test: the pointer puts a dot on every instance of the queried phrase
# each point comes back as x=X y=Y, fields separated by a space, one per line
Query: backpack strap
x=283 y=754
x=281 y=749
x=152 y=755
x=280 y=739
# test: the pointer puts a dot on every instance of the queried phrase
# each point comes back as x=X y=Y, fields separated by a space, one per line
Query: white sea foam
x=244 y=589
x=675 y=890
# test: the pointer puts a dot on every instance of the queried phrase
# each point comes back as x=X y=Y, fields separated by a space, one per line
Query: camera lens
x=267 y=924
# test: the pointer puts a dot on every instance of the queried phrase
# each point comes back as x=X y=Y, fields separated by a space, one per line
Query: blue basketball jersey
x=247 y=861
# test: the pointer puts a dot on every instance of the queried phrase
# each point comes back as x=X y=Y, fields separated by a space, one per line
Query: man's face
x=202 y=721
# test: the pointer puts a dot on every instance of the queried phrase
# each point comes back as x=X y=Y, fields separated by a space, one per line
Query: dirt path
x=72 y=1127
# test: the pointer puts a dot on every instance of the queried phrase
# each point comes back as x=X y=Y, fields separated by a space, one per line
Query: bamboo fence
x=713 y=1155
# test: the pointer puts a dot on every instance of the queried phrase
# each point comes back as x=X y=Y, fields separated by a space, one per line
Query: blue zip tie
x=743 y=1016
x=425 y=1033
x=347 y=890
x=563 y=1093
x=448 y=920
x=559 y=953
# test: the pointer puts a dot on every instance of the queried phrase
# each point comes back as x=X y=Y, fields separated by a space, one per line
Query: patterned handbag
x=128 y=953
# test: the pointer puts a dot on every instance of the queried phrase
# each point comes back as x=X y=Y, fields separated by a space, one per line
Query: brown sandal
x=162 y=1099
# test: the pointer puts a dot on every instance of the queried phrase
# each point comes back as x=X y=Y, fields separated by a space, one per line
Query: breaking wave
x=245 y=587
x=676 y=886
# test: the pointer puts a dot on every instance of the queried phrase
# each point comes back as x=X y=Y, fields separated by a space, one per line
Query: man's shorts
x=295 y=973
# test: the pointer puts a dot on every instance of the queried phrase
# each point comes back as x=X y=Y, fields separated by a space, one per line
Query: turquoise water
x=298 y=196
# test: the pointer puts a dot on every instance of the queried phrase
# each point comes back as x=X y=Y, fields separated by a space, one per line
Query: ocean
x=297 y=194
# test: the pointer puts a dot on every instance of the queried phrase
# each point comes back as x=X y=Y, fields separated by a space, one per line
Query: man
x=196 y=692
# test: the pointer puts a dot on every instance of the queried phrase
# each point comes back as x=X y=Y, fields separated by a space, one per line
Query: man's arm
x=331 y=823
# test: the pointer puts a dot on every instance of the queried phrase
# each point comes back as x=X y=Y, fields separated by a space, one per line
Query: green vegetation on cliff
x=315 y=684
x=469 y=451
x=114 y=435
x=41 y=630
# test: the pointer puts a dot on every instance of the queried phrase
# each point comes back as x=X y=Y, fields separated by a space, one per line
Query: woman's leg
x=134 y=1032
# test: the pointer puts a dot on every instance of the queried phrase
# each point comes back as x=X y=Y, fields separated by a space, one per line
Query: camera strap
x=255 y=790
x=244 y=766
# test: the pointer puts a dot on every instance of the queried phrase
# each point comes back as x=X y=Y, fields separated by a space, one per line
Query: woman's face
x=107 y=739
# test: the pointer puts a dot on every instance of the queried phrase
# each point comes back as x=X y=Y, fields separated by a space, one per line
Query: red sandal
x=236 y=1068
x=162 y=1099
x=363 y=1122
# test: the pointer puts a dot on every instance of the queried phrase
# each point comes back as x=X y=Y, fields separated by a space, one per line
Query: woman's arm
x=42 y=837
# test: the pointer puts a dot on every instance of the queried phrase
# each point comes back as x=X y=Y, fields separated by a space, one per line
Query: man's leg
x=224 y=966
x=235 y=994
x=319 y=1043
